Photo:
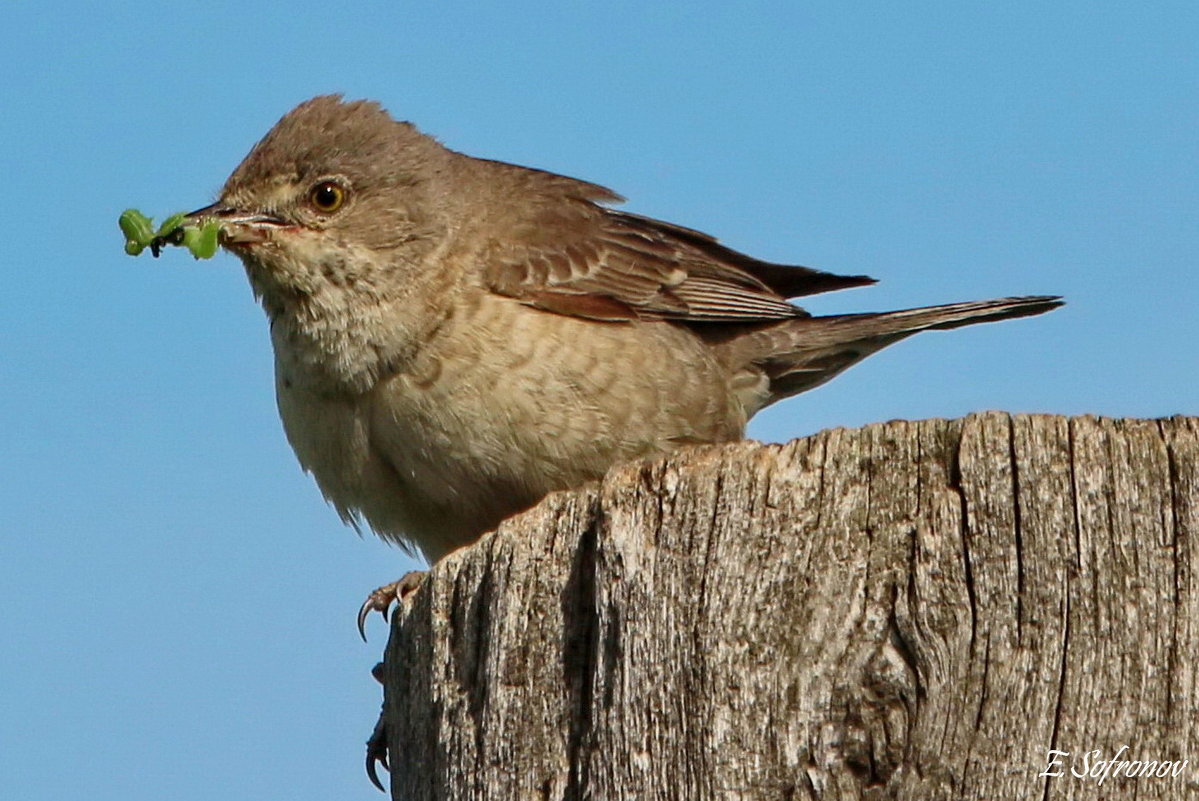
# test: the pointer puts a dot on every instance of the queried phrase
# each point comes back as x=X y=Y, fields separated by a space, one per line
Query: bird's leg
x=381 y=599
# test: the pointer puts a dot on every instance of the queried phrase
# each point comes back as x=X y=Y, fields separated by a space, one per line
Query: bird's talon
x=381 y=599
x=376 y=754
x=372 y=773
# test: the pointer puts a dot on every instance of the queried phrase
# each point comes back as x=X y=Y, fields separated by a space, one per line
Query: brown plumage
x=456 y=337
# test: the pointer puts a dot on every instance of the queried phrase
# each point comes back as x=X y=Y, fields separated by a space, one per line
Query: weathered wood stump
x=914 y=610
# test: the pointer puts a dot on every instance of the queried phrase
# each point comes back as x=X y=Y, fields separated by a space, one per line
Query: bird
x=456 y=337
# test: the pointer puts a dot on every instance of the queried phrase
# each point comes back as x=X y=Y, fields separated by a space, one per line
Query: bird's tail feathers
x=797 y=355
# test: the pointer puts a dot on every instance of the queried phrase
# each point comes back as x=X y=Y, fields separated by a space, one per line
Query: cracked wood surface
x=913 y=610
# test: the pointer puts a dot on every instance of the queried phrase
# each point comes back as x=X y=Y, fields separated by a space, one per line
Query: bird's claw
x=381 y=599
x=376 y=601
x=376 y=754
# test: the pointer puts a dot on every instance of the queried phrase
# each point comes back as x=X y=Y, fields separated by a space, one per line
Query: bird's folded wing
x=587 y=261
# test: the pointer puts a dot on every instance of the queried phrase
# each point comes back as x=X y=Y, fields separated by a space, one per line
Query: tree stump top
x=907 y=610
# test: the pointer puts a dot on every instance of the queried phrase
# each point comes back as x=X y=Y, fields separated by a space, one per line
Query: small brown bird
x=455 y=337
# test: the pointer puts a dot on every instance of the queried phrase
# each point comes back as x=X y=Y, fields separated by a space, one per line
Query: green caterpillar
x=201 y=240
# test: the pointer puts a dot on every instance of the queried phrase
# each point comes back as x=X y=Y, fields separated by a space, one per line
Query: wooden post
x=912 y=610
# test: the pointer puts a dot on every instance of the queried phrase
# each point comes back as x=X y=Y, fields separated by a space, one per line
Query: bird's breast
x=503 y=406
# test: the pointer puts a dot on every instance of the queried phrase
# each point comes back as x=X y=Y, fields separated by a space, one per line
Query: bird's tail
x=796 y=355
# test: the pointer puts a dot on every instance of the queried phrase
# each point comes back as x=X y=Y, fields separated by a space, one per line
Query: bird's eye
x=327 y=197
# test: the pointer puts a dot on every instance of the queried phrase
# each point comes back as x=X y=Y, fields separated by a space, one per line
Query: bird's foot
x=381 y=599
x=377 y=743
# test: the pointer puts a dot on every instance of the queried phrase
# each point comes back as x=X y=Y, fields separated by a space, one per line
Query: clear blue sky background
x=177 y=599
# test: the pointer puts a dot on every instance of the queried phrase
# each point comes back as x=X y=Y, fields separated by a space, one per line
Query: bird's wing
x=589 y=261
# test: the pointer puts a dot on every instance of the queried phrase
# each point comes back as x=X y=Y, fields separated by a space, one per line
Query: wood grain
x=911 y=610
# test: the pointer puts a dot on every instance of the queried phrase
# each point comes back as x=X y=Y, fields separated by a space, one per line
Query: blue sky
x=178 y=600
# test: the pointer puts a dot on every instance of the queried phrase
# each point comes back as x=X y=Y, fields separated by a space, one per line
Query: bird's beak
x=237 y=227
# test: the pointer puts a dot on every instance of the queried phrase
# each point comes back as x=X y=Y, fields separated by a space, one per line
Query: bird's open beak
x=237 y=227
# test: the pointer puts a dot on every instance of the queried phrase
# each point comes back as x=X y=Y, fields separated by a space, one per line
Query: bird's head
x=336 y=193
